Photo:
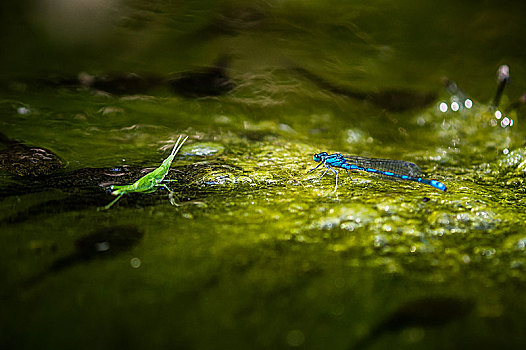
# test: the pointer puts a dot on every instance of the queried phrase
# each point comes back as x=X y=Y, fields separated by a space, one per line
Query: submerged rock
x=391 y=100
x=106 y=242
x=103 y=243
x=208 y=81
x=212 y=81
x=19 y=159
x=420 y=313
x=89 y=187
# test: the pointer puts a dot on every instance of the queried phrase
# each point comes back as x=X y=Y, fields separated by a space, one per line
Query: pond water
x=257 y=252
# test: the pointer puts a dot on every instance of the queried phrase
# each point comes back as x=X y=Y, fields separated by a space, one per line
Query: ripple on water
x=203 y=149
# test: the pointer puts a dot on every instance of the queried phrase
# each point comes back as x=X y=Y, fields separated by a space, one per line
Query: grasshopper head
x=116 y=190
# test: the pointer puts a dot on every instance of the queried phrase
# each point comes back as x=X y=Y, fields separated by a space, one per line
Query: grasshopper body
x=151 y=181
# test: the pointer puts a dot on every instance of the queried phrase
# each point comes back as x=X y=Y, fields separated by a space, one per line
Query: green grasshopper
x=151 y=181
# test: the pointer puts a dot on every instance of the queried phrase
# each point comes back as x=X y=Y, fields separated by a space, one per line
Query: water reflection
x=105 y=243
x=460 y=101
x=420 y=314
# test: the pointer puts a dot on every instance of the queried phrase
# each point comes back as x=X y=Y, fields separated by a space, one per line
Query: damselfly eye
x=318 y=157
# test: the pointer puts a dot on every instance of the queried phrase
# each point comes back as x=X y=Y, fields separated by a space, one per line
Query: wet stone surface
x=21 y=160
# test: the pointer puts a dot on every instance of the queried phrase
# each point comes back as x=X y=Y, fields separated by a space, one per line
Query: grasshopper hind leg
x=111 y=203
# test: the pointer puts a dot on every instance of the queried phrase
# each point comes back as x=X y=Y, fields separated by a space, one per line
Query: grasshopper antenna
x=178 y=145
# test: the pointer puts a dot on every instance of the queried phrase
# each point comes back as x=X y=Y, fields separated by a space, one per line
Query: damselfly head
x=319 y=157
